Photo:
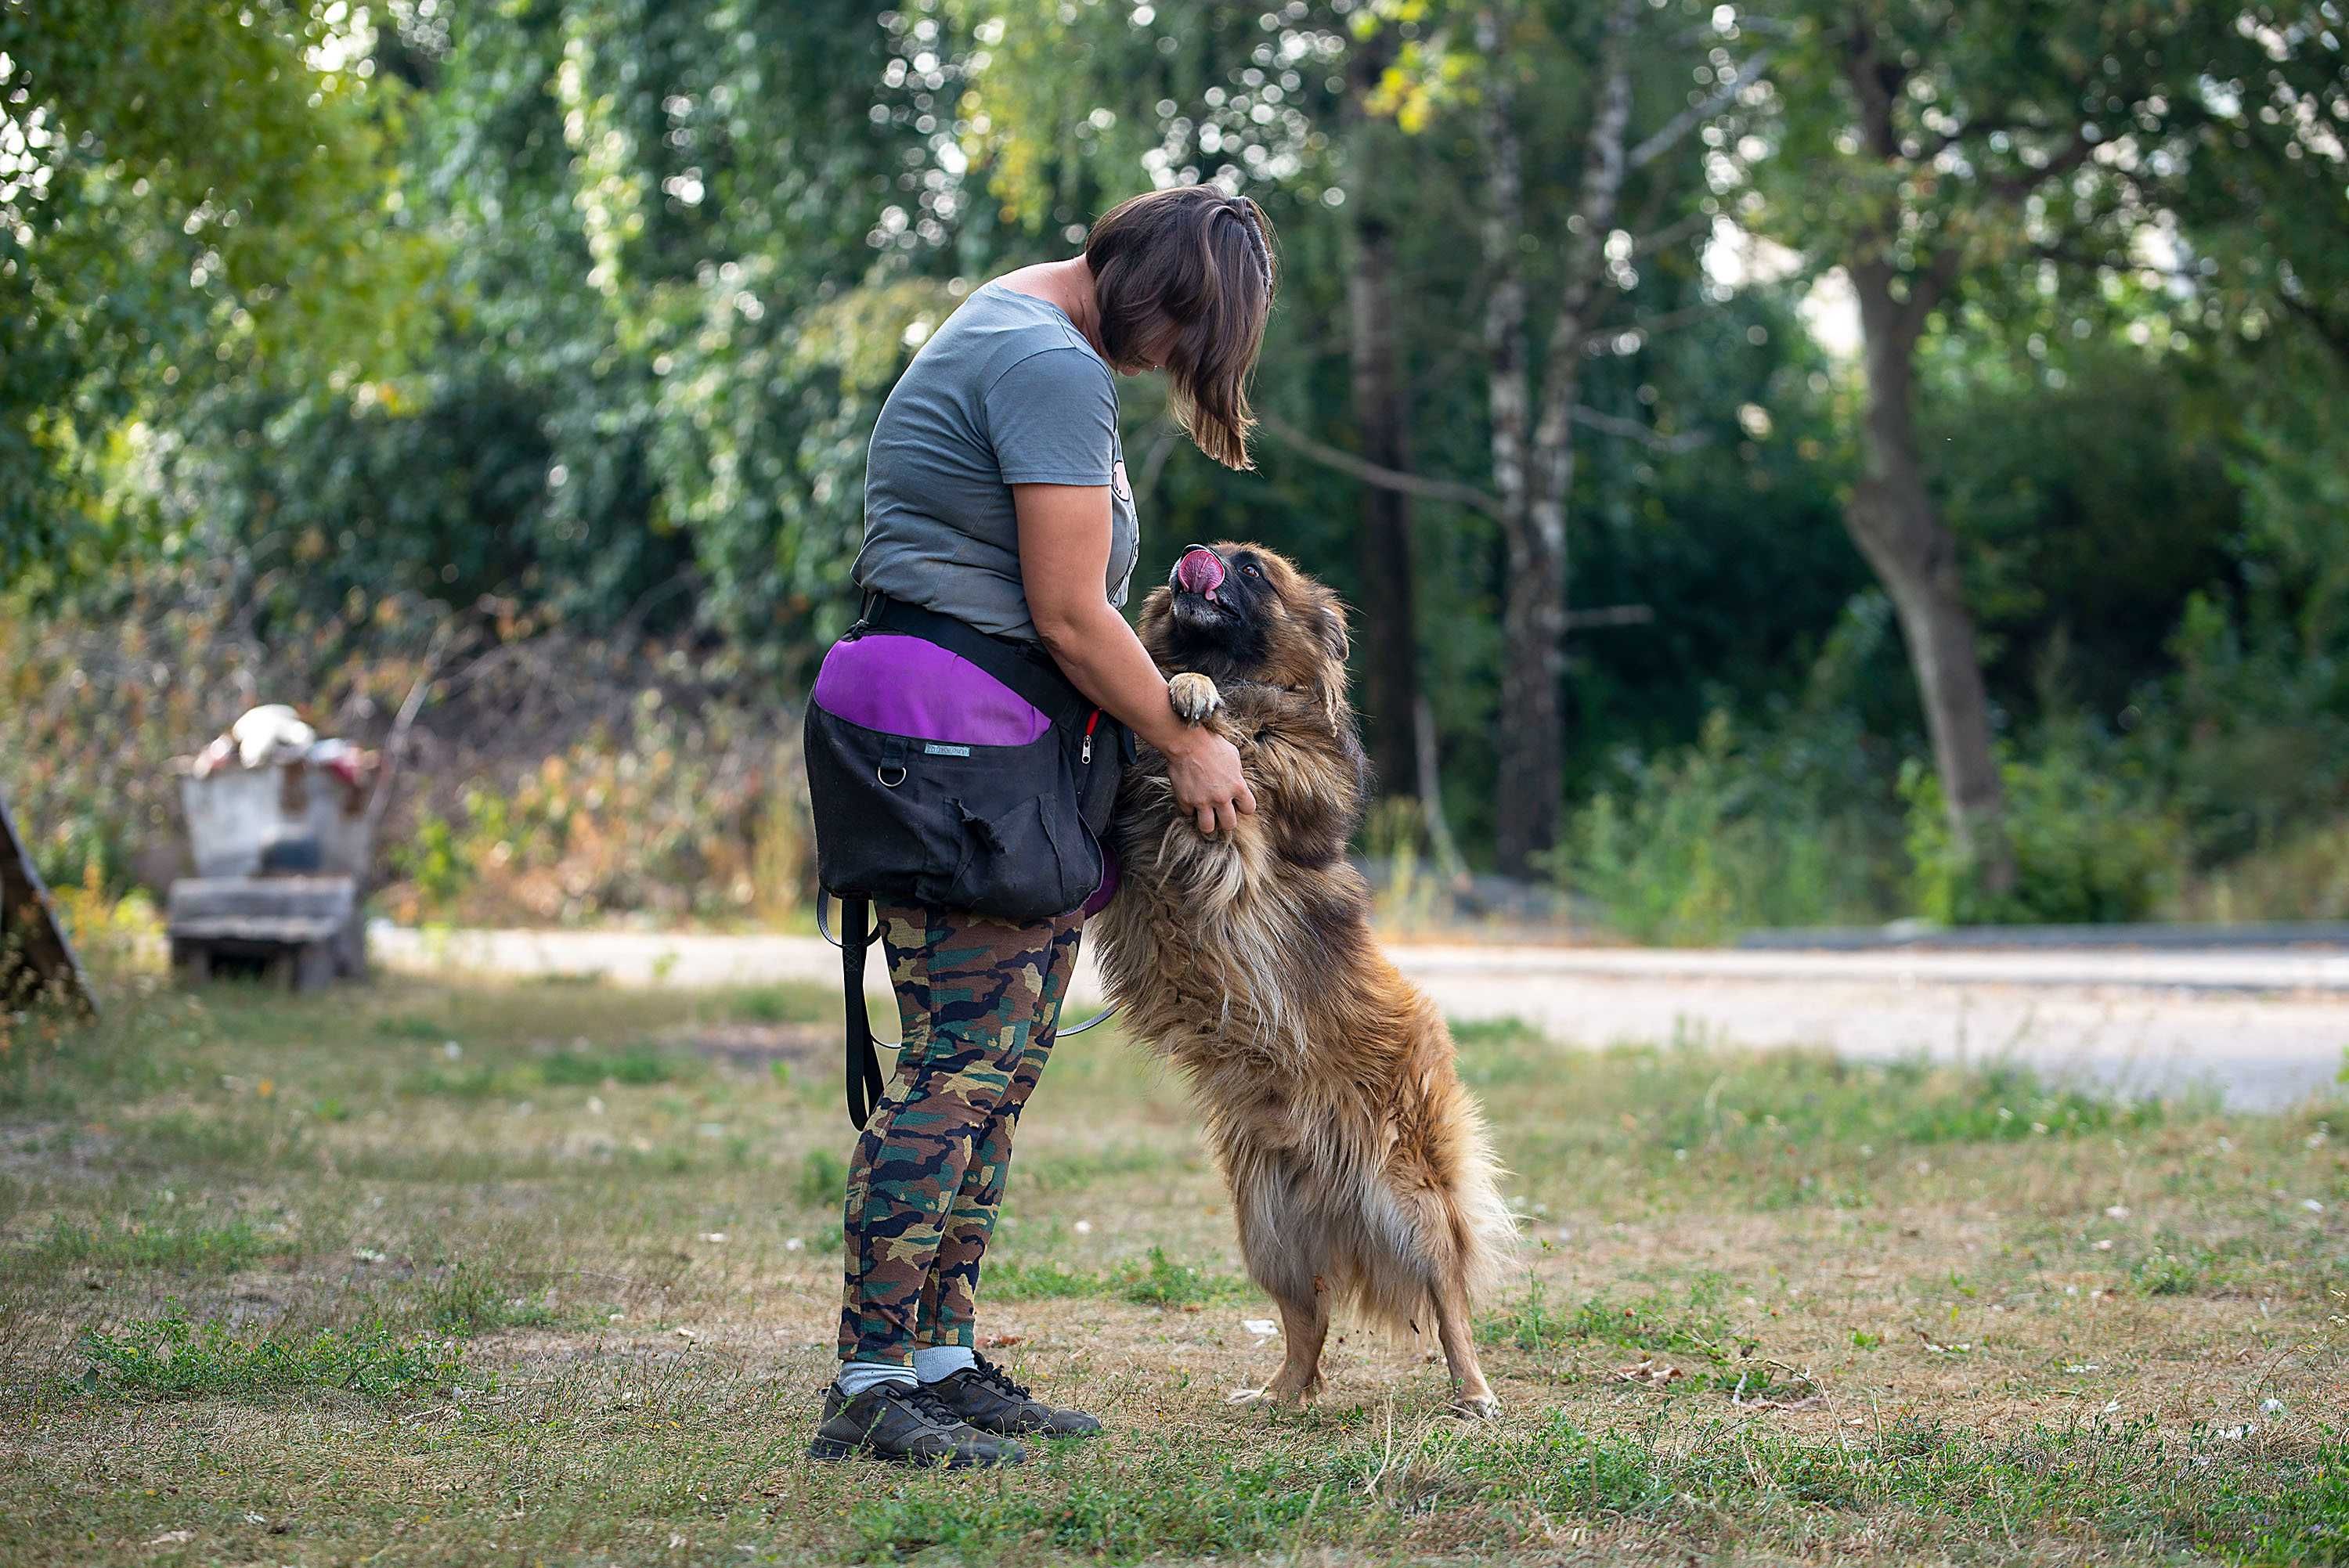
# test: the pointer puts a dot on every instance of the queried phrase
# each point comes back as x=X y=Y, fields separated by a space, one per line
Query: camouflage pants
x=980 y=999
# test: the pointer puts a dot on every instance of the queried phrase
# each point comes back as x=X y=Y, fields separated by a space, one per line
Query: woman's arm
x=1063 y=558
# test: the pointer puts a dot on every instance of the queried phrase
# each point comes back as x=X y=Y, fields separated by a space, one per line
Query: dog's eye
x=1251 y=572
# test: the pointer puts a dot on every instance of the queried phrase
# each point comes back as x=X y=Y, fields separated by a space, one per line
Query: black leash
x=864 y=1082
x=1028 y=671
x=864 y=1079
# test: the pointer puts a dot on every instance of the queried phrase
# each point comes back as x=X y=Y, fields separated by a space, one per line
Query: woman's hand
x=1204 y=770
x=1063 y=563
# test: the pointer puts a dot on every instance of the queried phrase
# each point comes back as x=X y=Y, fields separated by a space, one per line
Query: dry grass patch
x=468 y=1273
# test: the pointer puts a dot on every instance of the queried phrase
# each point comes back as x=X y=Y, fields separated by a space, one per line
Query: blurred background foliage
x=328 y=330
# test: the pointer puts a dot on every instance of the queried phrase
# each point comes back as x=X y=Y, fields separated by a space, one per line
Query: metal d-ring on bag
x=951 y=768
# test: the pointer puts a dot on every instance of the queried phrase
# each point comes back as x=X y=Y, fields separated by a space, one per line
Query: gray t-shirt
x=1006 y=392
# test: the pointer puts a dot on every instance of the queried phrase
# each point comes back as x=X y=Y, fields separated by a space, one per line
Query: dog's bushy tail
x=1488 y=1228
x=1464 y=1227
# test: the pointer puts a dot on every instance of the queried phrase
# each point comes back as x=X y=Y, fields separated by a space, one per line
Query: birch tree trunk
x=1389 y=654
x=1529 y=733
x=1535 y=476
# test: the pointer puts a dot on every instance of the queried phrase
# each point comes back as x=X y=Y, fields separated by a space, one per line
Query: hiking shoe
x=904 y=1423
x=984 y=1397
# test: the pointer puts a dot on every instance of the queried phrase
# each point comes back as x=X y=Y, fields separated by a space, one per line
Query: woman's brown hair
x=1183 y=279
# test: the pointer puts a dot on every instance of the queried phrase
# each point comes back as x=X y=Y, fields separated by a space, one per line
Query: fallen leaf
x=713 y=1235
x=1000 y=1341
x=174 y=1538
x=1243 y=1396
x=687 y=1333
x=1805 y=1403
x=1259 y=1326
x=1651 y=1371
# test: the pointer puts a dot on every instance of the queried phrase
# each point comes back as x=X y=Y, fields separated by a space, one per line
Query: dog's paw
x=1479 y=1407
x=1294 y=1394
x=1194 y=697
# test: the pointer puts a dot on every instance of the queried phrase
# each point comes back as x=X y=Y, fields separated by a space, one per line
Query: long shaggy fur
x=1361 y=1169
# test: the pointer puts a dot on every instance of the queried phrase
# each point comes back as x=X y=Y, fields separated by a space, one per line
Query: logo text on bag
x=935 y=749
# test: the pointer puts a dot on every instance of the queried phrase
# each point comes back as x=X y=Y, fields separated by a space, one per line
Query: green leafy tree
x=1942 y=153
x=185 y=189
x=684 y=266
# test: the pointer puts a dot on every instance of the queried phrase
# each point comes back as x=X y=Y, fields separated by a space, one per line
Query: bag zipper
x=1086 y=753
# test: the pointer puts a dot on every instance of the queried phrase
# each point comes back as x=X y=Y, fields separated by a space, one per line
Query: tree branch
x=2334 y=333
x=1632 y=430
x=1929 y=288
x=2014 y=187
x=1981 y=126
x=2064 y=255
x=1672 y=233
x=1601 y=341
x=1675 y=129
x=1371 y=473
x=1610 y=616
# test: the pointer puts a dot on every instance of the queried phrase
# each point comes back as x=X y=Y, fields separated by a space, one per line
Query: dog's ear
x=1331 y=615
x=1329 y=618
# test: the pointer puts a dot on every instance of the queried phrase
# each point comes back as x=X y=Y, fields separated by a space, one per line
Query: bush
x=2304 y=877
x=2088 y=846
x=549 y=778
x=97 y=698
x=1721 y=837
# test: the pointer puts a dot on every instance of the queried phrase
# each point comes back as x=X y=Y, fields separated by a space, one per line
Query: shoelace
x=922 y=1400
x=988 y=1372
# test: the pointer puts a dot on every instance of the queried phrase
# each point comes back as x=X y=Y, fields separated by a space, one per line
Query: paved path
x=2266 y=1026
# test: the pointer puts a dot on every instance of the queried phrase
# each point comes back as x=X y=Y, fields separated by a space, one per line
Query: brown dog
x=1360 y=1168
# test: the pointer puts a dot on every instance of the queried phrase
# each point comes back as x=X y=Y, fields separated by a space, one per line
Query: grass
x=170 y=1358
x=462 y=1273
x=111 y=1242
x=1155 y=1281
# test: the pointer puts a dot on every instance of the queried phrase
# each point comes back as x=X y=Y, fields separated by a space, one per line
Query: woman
x=996 y=494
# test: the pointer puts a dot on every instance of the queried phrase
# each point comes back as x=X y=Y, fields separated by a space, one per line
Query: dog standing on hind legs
x=1360 y=1168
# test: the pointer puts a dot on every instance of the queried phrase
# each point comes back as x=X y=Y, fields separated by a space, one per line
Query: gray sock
x=855 y=1376
x=933 y=1362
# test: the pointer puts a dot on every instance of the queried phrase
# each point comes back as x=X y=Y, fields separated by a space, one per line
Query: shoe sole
x=827 y=1451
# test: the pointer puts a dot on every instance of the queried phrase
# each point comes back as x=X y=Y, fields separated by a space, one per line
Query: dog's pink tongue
x=1199 y=570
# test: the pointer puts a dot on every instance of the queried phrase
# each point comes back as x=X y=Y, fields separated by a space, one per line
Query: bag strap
x=864 y=1082
x=1026 y=670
